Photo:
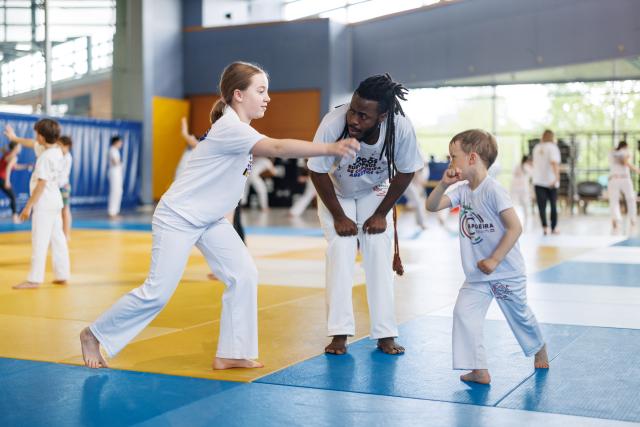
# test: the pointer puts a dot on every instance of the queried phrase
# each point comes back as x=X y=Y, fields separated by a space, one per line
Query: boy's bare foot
x=541 y=360
x=338 y=345
x=59 y=282
x=480 y=376
x=26 y=285
x=390 y=346
x=221 y=363
x=91 y=350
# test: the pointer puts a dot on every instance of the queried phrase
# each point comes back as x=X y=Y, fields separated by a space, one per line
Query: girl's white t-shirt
x=481 y=229
x=617 y=168
x=354 y=178
x=49 y=167
x=213 y=180
x=543 y=154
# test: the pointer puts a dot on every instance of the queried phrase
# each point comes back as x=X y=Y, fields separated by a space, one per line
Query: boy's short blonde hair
x=478 y=141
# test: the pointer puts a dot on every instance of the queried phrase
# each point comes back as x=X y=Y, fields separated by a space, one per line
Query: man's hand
x=345 y=226
x=376 y=224
x=488 y=265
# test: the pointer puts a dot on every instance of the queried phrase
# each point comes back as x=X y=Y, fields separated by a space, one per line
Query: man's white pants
x=228 y=258
x=115 y=190
x=301 y=204
x=624 y=186
x=468 y=319
x=340 y=268
x=46 y=228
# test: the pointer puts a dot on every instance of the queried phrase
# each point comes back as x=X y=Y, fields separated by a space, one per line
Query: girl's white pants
x=340 y=268
x=115 y=190
x=229 y=260
x=301 y=204
x=624 y=186
x=46 y=229
x=471 y=309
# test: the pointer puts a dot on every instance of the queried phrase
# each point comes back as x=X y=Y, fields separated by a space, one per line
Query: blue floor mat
x=47 y=394
x=424 y=372
x=629 y=242
x=597 y=375
x=592 y=273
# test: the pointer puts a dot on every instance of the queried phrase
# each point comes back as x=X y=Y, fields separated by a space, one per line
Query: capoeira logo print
x=501 y=291
x=472 y=225
x=364 y=166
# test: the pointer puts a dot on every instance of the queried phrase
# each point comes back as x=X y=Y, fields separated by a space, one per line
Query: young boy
x=491 y=259
x=46 y=203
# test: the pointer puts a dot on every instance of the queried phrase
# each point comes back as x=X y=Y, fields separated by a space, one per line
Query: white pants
x=469 y=313
x=115 y=190
x=340 y=268
x=624 y=186
x=301 y=204
x=415 y=195
x=228 y=258
x=46 y=228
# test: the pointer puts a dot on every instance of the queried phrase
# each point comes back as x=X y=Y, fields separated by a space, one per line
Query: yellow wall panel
x=168 y=144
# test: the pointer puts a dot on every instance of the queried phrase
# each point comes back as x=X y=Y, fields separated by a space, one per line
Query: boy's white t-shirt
x=213 y=180
x=49 y=167
x=617 y=168
x=481 y=230
x=543 y=154
x=67 y=161
x=353 y=178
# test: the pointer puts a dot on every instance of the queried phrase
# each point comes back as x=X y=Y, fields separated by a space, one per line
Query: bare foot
x=480 y=376
x=390 y=346
x=91 y=350
x=26 y=285
x=541 y=360
x=211 y=276
x=221 y=363
x=59 y=282
x=338 y=345
x=545 y=230
x=556 y=232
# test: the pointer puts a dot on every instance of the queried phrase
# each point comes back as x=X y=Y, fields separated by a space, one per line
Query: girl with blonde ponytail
x=192 y=212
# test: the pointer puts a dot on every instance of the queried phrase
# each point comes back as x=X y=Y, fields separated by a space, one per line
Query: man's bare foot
x=390 y=346
x=221 y=363
x=91 y=350
x=26 y=285
x=59 y=282
x=541 y=360
x=338 y=345
x=211 y=276
x=480 y=376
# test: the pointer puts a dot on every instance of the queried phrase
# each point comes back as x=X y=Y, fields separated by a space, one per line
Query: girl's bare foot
x=480 y=376
x=221 y=363
x=26 y=285
x=541 y=360
x=59 y=282
x=91 y=350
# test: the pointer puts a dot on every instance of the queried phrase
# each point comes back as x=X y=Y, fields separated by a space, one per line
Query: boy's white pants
x=46 y=228
x=301 y=204
x=115 y=190
x=471 y=309
x=624 y=186
x=228 y=258
x=340 y=268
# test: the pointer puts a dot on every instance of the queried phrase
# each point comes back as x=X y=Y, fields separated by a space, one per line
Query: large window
x=349 y=10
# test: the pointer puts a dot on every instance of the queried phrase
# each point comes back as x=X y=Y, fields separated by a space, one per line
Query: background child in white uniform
x=115 y=177
x=192 y=213
x=46 y=203
x=260 y=165
x=521 y=188
x=355 y=205
x=491 y=259
x=620 y=182
x=65 y=185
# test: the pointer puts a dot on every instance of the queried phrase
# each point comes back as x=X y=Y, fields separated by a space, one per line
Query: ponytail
x=217 y=110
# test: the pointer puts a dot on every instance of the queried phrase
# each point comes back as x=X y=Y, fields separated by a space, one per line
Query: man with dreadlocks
x=356 y=200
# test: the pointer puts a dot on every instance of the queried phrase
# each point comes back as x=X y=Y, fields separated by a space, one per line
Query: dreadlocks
x=387 y=93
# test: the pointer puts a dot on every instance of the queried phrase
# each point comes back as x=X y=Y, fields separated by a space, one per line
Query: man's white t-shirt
x=353 y=178
x=67 y=161
x=49 y=167
x=481 y=230
x=543 y=154
x=617 y=168
x=213 y=180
